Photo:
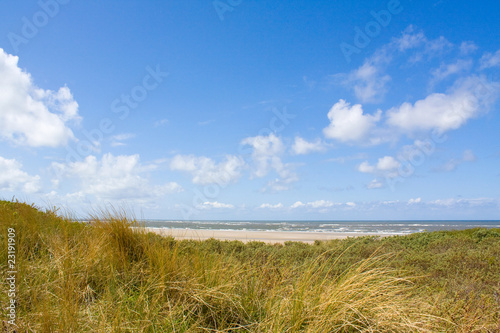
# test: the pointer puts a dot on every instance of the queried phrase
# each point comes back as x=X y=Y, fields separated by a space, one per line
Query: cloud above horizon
x=113 y=178
x=467 y=99
x=13 y=178
x=266 y=157
x=29 y=115
x=470 y=95
x=205 y=171
x=349 y=123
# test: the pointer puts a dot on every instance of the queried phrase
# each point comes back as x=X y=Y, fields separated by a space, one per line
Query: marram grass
x=111 y=275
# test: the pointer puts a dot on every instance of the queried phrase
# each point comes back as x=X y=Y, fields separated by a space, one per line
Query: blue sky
x=238 y=109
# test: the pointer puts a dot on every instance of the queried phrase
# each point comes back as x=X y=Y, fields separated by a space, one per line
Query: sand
x=261 y=236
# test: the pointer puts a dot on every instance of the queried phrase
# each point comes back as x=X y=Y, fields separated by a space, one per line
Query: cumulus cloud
x=366 y=167
x=13 y=178
x=315 y=204
x=30 y=115
x=465 y=100
x=297 y=204
x=302 y=147
x=414 y=201
x=349 y=123
x=266 y=153
x=205 y=171
x=214 y=204
x=114 y=178
x=266 y=156
x=269 y=206
x=323 y=205
x=386 y=166
x=387 y=163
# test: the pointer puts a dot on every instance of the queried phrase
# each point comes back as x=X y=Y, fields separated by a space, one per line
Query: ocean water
x=372 y=227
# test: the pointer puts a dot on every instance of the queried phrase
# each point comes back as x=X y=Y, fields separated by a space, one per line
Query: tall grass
x=111 y=275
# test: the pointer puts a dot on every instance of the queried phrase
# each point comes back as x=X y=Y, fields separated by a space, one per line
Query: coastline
x=260 y=236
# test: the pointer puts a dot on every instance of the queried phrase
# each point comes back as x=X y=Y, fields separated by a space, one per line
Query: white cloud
x=490 y=60
x=267 y=205
x=266 y=156
x=114 y=178
x=318 y=204
x=302 y=147
x=349 y=124
x=446 y=70
x=365 y=167
x=324 y=206
x=374 y=184
x=465 y=202
x=214 y=204
x=409 y=39
x=297 y=204
x=387 y=163
x=423 y=47
x=266 y=153
x=458 y=207
x=467 y=47
x=386 y=166
x=205 y=171
x=465 y=100
x=29 y=115
x=414 y=201
x=321 y=204
x=284 y=184
x=117 y=140
x=12 y=178
x=437 y=46
x=368 y=82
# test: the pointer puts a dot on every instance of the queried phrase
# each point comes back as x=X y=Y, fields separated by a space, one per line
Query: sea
x=371 y=227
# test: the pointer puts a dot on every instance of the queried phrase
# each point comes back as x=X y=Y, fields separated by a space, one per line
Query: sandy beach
x=261 y=236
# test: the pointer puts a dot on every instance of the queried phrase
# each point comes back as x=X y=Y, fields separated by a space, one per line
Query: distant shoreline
x=260 y=236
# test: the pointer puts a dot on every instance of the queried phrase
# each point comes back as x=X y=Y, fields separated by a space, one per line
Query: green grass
x=105 y=276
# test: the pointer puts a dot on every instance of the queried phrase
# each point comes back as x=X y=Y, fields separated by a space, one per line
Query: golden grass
x=110 y=275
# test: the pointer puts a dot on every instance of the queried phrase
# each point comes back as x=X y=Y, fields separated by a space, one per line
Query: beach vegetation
x=109 y=274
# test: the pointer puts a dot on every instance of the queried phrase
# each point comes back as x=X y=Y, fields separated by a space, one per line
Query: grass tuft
x=110 y=275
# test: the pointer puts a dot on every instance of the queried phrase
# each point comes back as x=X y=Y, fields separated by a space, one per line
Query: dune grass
x=111 y=275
